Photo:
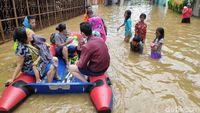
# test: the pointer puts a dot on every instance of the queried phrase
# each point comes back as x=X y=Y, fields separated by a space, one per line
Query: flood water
x=140 y=84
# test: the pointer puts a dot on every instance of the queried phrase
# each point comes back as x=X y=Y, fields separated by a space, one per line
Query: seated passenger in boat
x=24 y=58
x=26 y=55
x=62 y=42
x=45 y=64
x=94 y=59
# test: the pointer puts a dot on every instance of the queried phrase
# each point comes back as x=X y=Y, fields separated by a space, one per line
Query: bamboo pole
x=48 y=13
x=15 y=13
x=54 y=4
x=38 y=4
x=2 y=32
x=27 y=7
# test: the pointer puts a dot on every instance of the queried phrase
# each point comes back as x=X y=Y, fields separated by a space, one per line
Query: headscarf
x=26 y=23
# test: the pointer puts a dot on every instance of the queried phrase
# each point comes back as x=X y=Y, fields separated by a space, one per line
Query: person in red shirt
x=141 y=28
x=94 y=59
x=186 y=14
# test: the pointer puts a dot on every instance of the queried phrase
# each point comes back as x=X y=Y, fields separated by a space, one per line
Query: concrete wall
x=196 y=8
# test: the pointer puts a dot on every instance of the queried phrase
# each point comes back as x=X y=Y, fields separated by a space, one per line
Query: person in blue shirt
x=128 y=25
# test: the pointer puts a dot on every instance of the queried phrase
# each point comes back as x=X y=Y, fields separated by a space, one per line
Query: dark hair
x=61 y=27
x=52 y=38
x=189 y=6
x=89 y=12
x=128 y=12
x=143 y=15
x=86 y=28
x=161 y=31
x=30 y=17
x=88 y=6
x=20 y=35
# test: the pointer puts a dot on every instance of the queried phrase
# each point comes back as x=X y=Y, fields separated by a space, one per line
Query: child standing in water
x=128 y=24
x=141 y=28
x=156 y=45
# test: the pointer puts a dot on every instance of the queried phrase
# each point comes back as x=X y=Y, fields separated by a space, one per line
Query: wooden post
x=38 y=4
x=27 y=7
x=87 y=2
x=54 y=4
x=15 y=13
x=48 y=13
x=2 y=32
x=70 y=11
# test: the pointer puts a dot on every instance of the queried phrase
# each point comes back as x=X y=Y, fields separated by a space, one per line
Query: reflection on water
x=140 y=84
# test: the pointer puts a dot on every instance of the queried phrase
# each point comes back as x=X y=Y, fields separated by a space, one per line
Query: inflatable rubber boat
x=98 y=88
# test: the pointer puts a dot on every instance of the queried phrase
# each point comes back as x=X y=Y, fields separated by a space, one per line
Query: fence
x=46 y=12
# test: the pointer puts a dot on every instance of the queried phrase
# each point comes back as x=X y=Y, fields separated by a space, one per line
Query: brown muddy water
x=140 y=84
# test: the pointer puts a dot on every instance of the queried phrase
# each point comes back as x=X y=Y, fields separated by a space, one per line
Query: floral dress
x=141 y=29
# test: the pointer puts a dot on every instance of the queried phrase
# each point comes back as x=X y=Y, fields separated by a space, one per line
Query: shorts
x=87 y=72
x=128 y=34
x=44 y=73
x=71 y=50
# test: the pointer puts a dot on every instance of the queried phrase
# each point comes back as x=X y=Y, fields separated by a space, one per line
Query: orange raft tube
x=16 y=92
x=101 y=94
